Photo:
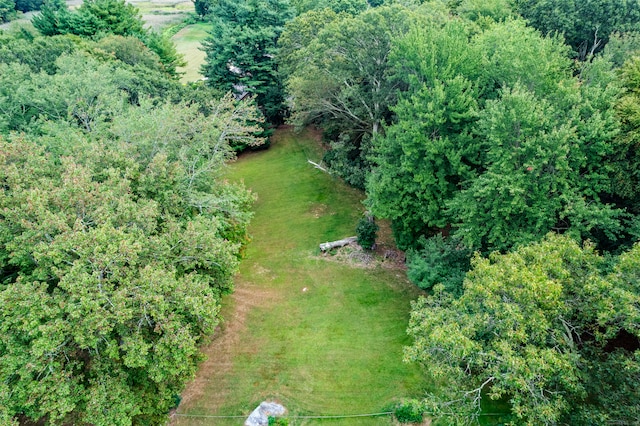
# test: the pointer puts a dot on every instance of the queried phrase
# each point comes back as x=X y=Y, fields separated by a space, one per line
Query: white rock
x=260 y=416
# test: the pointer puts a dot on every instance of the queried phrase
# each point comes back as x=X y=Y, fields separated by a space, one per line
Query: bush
x=278 y=421
x=440 y=261
x=366 y=232
x=410 y=411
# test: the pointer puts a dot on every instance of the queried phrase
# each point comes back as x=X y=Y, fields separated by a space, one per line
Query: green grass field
x=319 y=336
x=188 y=41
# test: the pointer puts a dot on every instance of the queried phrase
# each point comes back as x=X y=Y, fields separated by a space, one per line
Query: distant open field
x=156 y=13
x=188 y=41
x=319 y=335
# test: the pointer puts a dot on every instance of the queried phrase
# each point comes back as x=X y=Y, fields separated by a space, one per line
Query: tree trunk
x=340 y=243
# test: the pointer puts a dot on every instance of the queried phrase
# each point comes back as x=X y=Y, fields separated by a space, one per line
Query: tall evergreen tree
x=242 y=52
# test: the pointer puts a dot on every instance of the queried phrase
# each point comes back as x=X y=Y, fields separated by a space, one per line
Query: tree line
x=118 y=232
x=10 y=9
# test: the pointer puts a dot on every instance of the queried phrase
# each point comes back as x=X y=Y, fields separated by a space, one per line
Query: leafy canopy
x=551 y=328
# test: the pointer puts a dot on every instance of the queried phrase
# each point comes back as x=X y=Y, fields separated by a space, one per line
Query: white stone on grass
x=260 y=416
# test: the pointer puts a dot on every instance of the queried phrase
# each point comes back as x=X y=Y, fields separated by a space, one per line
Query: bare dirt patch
x=318 y=210
x=384 y=256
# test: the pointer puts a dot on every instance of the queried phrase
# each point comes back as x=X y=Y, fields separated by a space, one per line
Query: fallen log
x=335 y=244
x=317 y=166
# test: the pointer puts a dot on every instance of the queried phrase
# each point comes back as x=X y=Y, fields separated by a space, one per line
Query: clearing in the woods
x=188 y=42
x=320 y=335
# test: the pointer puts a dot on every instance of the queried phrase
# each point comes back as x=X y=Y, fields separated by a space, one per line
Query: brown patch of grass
x=318 y=210
x=223 y=346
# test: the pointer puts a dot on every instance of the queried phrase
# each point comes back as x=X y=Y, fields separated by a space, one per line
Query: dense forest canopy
x=499 y=137
x=482 y=126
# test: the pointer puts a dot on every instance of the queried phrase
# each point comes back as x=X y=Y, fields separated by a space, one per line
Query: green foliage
x=129 y=50
x=366 y=231
x=91 y=18
x=80 y=90
x=585 y=25
x=411 y=411
x=352 y=7
x=123 y=299
x=622 y=47
x=38 y=53
x=439 y=260
x=7 y=10
x=546 y=320
x=107 y=16
x=100 y=18
x=162 y=46
x=53 y=19
x=339 y=78
x=203 y=7
x=242 y=52
x=28 y=5
x=495 y=142
x=278 y=421
x=118 y=234
x=626 y=178
x=478 y=10
x=348 y=159
x=421 y=160
x=535 y=177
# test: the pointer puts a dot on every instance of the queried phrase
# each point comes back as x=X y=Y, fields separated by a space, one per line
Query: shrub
x=366 y=231
x=278 y=421
x=410 y=411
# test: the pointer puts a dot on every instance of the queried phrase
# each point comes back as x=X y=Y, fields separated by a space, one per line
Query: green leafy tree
x=99 y=18
x=91 y=18
x=343 y=83
x=492 y=140
x=203 y=7
x=439 y=260
x=124 y=245
x=39 y=53
x=106 y=300
x=129 y=50
x=82 y=91
x=7 y=10
x=478 y=10
x=429 y=150
x=366 y=231
x=352 y=7
x=586 y=25
x=242 y=51
x=53 y=19
x=107 y=16
x=535 y=178
x=28 y=5
x=545 y=328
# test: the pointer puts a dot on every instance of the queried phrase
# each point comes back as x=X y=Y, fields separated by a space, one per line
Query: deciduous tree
x=546 y=328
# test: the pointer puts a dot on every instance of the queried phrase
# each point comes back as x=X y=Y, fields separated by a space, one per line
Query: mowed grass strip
x=188 y=43
x=319 y=336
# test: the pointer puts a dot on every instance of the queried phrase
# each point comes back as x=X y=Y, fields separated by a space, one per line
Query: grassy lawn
x=319 y=336
x=188 y=41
